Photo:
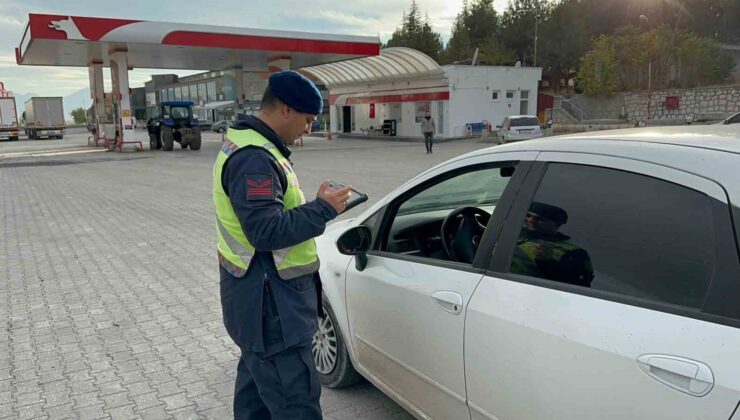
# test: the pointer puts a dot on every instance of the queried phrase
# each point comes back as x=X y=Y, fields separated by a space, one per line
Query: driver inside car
x=542 y=251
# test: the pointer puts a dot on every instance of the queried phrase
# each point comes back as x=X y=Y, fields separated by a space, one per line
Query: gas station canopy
x=53 y=40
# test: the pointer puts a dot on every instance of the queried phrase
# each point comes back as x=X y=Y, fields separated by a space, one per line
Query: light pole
x=645 y=19
x=535 y=39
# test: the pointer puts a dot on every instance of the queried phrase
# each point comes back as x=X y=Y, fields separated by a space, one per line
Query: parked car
x=221 y=126
x=732 y=119
x=586 y=276
x=518 y=127
x=205 y=124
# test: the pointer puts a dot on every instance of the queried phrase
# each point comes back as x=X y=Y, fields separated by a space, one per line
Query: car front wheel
x=330 y=354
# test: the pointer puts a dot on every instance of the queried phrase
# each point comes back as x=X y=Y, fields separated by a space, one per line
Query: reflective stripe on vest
x=235 y=250
x=525 y=254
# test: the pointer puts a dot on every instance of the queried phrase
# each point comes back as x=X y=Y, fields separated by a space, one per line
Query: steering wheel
x=462 y=231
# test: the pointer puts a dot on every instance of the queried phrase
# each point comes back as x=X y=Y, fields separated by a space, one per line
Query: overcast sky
x=357 y=17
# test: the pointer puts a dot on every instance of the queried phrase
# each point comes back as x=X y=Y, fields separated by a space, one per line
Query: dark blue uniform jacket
x=285 y=309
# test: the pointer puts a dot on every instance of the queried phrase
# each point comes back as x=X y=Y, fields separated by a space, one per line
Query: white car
x=518 y=127
x=732 y=119
x=590 y=276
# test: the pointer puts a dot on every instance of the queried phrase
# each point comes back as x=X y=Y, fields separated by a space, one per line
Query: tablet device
x=355 y=199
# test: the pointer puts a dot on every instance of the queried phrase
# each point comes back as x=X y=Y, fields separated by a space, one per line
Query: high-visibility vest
x=525 y=254
x=234 y=250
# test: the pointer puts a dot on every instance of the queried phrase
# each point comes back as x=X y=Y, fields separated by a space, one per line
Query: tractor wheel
x=196 y=139
x=168 y=139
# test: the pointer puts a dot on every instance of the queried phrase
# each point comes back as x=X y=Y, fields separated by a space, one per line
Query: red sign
x=372 y=110
x=672 y=102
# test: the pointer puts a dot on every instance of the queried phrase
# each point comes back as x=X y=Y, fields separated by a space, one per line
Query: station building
x=383 y=95
x=388 y=94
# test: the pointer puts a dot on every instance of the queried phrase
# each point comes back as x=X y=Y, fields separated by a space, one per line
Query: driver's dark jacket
x=568 y=263
x=290 y=319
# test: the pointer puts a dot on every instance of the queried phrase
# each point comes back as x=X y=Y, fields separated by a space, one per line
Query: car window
x=415 y=229
x=524 y=122
x=619 y=232
x=735 y=119
x=179 y=112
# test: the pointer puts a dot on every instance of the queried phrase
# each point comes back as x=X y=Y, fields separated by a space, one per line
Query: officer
x=268 y=264
x=542 y=251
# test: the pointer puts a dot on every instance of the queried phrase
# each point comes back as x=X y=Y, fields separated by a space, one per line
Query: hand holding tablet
x=346 y=203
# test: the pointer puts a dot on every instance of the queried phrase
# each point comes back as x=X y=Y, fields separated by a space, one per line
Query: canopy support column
x=124 y=115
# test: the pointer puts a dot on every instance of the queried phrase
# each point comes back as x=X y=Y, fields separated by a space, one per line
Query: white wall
x=471 y=92
x=407 y=125
x=470 y=101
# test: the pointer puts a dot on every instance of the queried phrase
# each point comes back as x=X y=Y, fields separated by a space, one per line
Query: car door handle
x=686 y=375
x=451 y=302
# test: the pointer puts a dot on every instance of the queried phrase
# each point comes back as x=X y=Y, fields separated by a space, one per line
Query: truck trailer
x=8 y=119
x=45 y=117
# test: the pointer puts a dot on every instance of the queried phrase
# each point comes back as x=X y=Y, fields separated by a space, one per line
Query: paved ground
x=108 y=277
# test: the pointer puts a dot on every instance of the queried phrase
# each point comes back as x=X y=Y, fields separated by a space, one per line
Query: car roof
x=724 y=138
x=709 y=151
x=522 y=116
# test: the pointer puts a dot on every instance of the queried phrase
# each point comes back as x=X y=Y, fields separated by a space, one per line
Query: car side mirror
x=356 y=242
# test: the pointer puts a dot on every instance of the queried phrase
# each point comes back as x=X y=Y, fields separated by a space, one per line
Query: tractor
x=172 y=122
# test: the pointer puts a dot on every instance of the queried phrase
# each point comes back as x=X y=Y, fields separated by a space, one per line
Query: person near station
x=270 y=290
x=542 y=251
x=428 y=129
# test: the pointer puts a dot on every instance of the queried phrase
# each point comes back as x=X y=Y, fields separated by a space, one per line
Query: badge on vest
x=260 y=187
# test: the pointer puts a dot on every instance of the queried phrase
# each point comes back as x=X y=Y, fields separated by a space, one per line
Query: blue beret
x=296 y=91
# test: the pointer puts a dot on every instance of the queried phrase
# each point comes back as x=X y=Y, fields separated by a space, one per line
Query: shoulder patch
x=260 y=187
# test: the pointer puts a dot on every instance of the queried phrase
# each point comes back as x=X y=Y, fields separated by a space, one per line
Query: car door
x=406 y=307
x=599 y=301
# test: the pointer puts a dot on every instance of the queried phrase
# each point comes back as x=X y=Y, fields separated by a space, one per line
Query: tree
x=518 y=26
x=458 y=48
x=562 y=41
x=476 y=26
x=677 y=58
x=493 y=52
x=417 y=33
x=78 y=115
x=597 y=74
x=481 y=22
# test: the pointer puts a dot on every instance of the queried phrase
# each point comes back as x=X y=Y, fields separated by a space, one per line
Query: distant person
x=428 y=129
x=543 y=252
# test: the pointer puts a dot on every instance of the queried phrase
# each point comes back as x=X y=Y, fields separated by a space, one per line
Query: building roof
x=396 y=63
x=58 y=40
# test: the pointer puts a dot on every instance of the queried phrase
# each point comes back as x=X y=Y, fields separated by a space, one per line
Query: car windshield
x=480 y=188
x=524 y=122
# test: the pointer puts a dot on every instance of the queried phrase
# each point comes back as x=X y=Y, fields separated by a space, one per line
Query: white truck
x=45 y=117
x=8 y=119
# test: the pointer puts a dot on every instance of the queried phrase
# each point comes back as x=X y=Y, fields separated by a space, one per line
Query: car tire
x=220 y=130
x=328 y=340
x=168 y=139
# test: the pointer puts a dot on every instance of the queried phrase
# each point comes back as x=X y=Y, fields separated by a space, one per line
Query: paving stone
x=122 y=413
x=154 y=413
x=93 y=318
